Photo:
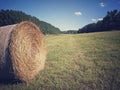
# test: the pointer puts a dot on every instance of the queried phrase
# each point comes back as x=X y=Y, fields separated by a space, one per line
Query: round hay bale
x=22 y=52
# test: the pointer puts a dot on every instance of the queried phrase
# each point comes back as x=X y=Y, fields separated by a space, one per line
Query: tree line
x=8 y=17
x=69 y=32
x=110 y=22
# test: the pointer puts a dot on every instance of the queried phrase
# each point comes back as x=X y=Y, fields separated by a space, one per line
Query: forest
x=8 y=17
x=110 y=22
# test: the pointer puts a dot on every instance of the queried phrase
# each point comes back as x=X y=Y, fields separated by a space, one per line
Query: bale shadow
x=6 y=70
x=10 y=82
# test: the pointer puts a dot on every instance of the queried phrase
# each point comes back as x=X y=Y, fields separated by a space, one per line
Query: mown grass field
x=78 y=62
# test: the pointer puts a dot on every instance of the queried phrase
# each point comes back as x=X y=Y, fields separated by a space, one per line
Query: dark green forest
x=8 y=17
x=110 y=22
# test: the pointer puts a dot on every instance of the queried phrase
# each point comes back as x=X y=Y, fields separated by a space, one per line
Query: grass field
x=78 y=62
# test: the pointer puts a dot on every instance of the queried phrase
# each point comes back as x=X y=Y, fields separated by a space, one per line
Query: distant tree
x=8 y=17
x=110 y=22
x=69 y=32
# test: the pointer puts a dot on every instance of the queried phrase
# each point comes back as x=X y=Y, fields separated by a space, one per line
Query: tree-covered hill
x=69 y=32
x=110 y=22
x=8 y=17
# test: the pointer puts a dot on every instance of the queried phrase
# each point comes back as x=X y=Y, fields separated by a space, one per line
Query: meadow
x=88 y=61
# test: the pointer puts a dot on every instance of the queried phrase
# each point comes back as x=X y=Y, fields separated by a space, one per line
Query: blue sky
x=64 y=14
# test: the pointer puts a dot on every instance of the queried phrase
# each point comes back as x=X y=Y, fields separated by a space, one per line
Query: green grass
x=78 y=62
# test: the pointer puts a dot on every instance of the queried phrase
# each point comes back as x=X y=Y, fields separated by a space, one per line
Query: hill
x=69 y=32
x=110 y=22
x=8 y=17
x=78 y=62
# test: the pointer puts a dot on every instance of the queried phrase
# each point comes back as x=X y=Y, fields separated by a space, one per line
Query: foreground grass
x=78 y=62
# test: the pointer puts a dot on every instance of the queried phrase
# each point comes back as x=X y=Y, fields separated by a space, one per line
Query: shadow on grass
x=108 y=76
x=6 y=82
x=6 y=70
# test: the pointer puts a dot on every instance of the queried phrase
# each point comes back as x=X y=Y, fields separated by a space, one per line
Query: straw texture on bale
x=22 y=51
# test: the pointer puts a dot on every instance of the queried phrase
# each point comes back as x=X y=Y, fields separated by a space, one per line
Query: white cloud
x=102 y=4
x=96 y=20
x=100 y=19
x=78 y=13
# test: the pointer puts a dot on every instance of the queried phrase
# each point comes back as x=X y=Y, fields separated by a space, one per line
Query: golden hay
x=22 y=51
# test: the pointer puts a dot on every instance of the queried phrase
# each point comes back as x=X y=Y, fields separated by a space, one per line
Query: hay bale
x=22 y=51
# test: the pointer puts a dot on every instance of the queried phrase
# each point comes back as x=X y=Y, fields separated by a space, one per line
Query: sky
x=64 y=14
